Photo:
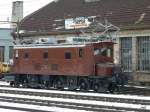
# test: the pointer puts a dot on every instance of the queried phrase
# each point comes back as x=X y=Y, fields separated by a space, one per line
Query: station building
x=58 y=18
x=6 y=45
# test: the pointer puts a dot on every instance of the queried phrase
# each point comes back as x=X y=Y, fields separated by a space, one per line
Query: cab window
x=26 y=55
x=80 y=52
x=45 y=55
x=67 y=55
x=107 y=52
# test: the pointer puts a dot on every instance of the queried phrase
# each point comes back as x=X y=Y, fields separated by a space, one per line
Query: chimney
x=17 y=12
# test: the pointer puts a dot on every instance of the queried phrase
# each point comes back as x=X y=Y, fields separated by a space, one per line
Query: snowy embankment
x=35 y=107
x=87 y=102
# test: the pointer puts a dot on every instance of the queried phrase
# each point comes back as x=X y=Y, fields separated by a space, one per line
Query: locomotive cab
x=105 y=67
x=103 y=54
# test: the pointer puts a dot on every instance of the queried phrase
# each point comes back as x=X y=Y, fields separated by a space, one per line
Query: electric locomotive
x=84 y=66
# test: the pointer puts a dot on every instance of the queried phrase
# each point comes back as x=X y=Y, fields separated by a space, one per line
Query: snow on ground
x=88 y=102
x=146 y=87
x=36 y=107
x=81 y=93
x=56 y=109
x=9 y=110
x=4 y=83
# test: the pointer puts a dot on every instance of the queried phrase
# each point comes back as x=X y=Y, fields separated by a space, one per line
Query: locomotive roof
x=48 y=46
x=30 y=46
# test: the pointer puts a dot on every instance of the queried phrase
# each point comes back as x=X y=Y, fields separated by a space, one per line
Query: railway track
x=13 y=95
x=93 y=106
x=77 y=98
x=75 y=95
x=133 y=90
x=127 y=90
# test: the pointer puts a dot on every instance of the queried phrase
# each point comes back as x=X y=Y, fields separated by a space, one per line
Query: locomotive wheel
x=113 y=88
x=84 y=85
x=12 y=83
x=102 y=88
x=72 y=83
x=25 y=85
x=96 y=87
x=59 y=84
x=99 y=87
x=17 y=85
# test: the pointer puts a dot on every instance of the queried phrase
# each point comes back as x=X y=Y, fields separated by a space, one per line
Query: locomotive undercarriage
x=98 y=84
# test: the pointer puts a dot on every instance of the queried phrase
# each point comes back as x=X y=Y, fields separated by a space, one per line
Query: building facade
x=57 y=20
x=134 y=54
x=6 y=45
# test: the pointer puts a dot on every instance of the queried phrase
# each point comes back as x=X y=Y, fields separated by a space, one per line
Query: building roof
x=126 y=14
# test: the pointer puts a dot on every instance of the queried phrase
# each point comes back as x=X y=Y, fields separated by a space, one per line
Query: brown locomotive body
x=70 y=60
x=85 y=66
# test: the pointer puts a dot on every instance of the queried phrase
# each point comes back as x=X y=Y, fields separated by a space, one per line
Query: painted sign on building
x=76 y=23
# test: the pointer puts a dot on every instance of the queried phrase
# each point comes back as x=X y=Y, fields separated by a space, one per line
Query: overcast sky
x=29 y=7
